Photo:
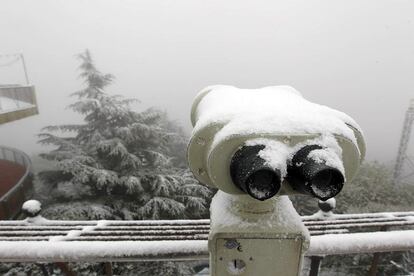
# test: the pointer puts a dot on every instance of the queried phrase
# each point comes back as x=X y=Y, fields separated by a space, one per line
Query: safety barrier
x=37 y=239
x=11 y=202
x=17 y=102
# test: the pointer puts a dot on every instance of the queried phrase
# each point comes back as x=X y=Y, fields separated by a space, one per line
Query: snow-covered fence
x=51 y=240
x=11 y=201
x=17 y=102
x=37 y=239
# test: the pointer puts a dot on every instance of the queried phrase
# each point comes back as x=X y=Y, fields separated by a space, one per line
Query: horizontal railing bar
x=362 y=215
x=324 y=232
x=361 y=225
x=356 y=243
x=125 y=235
x=6 y=226
x=141 y=233
x=22 y=239
x=31 y=233
x=127 y=251
x=155 y=227
x=117 y=223
x=39 y=228
x=157 y=222
x=138 y=238
x=46 y=222
x=132 y=228
x=345 y=221
x=201 y=222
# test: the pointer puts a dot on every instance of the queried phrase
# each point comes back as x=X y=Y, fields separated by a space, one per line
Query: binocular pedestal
x=251 y=237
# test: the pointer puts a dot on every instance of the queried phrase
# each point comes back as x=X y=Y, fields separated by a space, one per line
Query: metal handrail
x=25 y=162
x=18 y=93
x=23 y=103
x=37 y=239
x=11 y=201
x=178 y=239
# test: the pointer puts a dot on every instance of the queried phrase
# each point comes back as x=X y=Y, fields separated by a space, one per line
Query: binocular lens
x=261 y=184
x=309 y=177
x=250 y=173
x=326 y=182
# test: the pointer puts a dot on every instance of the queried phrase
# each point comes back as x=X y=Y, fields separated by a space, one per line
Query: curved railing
x=11 y=202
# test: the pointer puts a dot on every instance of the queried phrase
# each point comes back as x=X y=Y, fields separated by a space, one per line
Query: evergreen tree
x=118 y=163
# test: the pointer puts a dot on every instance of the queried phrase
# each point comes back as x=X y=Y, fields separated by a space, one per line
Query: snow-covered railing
x=40 y=239
x=37 y=239
x=40 y=229
x=346 y=223
x=17 y=102
x=12 y=200
x=103 y=241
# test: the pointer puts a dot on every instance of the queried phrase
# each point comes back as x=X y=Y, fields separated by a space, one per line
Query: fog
x=356 y=56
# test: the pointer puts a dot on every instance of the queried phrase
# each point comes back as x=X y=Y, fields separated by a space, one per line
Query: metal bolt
x=201 y=141
x=201 y=171
x=286 y=140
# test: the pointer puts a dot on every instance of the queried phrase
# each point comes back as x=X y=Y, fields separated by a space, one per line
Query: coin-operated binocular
x=257 y=146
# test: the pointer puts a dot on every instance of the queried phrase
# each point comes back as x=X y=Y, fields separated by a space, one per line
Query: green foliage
x=119 y=163
x=372 y=191
x=160 y=268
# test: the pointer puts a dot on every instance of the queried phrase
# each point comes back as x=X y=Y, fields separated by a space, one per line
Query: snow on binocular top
x=267 y=110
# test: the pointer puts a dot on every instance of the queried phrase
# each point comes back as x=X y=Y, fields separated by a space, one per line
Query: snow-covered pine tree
x=118 y=164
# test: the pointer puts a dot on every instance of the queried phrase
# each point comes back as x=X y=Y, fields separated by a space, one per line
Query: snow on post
x=32 y=208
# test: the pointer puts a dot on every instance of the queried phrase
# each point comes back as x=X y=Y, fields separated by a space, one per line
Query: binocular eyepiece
x=253 y=175
x=315 y=178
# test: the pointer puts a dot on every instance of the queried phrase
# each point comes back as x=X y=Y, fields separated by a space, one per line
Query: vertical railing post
x=374 y=264
x=375 y=259
x=64 y=267
x=44 y=269
x=326 y=209
x=315 y=265
x=108 y=268
x=16 y=97
x=3 y=153
x=24 y=69
x=14 y=157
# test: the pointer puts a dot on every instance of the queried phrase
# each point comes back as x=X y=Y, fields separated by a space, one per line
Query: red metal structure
x=15 y=181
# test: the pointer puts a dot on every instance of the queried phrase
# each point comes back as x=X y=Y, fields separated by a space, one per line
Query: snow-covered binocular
x=271 y=141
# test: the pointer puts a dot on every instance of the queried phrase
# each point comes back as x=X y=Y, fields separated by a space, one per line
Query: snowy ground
x=8 y=105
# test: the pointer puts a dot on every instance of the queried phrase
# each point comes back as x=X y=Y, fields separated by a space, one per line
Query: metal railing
x=11 y=202
x=37 y=239
x=17 y=102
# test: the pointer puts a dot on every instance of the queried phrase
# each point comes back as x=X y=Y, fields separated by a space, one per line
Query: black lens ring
x=245 y=164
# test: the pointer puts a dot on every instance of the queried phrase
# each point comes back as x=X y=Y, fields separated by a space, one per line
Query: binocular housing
x=271 y=141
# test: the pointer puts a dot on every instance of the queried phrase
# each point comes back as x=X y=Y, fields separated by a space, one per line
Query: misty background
x=355 y=56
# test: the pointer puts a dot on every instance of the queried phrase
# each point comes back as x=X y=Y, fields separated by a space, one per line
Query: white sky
x=356 y=56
